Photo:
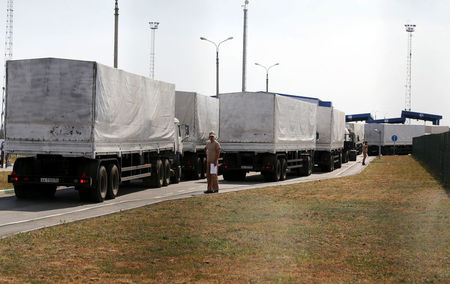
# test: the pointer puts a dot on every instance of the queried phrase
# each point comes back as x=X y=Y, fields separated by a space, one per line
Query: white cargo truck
x=354 y=139
x=198 y=115
x=266 y=133
x=83 y=124
x=391 y=138
x=330 y=140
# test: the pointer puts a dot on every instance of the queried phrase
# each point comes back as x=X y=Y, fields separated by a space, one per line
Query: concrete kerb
x=10 y=190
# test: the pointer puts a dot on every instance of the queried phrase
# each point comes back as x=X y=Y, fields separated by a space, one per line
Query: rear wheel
x=23 y=191
x=306 y=170
x=166 y=180
x=176 y=175
x=113 y=181
x=203 y=173
x=158 y=174
x=339 y=162
x=283 y=164
x=101 y=186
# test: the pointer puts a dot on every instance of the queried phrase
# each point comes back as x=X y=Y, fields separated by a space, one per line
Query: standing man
x=365 y=149
x=212 y=151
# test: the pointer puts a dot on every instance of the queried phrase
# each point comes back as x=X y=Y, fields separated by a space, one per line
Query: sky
x=350 y=52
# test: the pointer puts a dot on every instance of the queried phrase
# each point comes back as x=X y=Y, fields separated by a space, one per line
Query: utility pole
x=244 y=52
x=153 y=28
x=409 y=30
x=116 y=33
x=8 y=54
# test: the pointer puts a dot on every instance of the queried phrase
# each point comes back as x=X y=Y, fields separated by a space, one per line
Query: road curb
x=7 y=191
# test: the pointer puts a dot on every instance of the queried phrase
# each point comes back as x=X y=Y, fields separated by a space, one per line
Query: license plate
x=50 y=180
x=246 y=167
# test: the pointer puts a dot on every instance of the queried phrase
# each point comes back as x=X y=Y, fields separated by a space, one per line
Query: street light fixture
x=267 y=73
x=379 y=146
x=217 y=59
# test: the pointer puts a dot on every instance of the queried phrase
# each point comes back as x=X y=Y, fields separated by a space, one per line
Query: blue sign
x=394 y=138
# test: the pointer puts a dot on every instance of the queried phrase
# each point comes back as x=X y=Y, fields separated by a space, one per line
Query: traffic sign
x=394 y=138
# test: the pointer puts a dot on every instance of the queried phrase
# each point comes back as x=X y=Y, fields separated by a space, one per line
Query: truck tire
x=101 y=187
x=25 y=191
x=113 y=182
x=197 y=168
x=166 y=180
x=329 y=167
x=158 y=174
x=339 y=162
x=283 y=164
x=273 y=175
x=352 y=155
x=176 y=175
x=306 y=170
x=345 y=157
x=203 y=173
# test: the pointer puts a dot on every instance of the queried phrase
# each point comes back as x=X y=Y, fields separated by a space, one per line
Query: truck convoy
x=330 y=140
x=83 y=124
x=198 y=115
x=267 y=133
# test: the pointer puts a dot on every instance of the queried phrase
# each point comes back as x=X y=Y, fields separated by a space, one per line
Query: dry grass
x=388 y=224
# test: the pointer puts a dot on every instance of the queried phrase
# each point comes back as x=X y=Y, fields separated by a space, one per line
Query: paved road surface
x=25 y=215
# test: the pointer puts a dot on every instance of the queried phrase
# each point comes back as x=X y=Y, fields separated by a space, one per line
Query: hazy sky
x=352 y=52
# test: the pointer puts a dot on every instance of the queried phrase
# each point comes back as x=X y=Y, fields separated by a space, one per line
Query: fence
x=434 y=152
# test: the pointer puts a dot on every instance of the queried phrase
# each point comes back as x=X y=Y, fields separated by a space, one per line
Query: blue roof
x=358 y=117
x=388 y=120
x=422 y=116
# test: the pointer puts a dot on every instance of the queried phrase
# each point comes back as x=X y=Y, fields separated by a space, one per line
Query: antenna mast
x=8 y=52
x=153 y=28
x=116 y=33
x=409 y=30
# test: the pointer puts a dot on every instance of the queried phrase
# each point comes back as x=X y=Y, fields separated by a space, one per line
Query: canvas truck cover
x=358 y=129
x=73 y=108
x=404 y=133
x=200 y=113
x=260 y=123
x=331 y=128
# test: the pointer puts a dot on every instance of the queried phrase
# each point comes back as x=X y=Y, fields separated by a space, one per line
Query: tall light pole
x=217 y=45
x=409 y=29
x=267 y=73
x=153 y=28
x=244 y=49
x=116 y=32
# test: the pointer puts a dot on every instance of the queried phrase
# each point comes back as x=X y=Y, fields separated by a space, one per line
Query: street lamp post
x=217 y=60
x=267 y=73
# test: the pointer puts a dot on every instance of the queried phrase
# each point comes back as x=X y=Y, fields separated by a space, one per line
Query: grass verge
x=388 y=224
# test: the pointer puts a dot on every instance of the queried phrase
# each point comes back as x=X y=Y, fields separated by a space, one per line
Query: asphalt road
x=25 y=215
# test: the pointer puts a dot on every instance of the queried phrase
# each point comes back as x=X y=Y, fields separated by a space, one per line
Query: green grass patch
x=387 y=224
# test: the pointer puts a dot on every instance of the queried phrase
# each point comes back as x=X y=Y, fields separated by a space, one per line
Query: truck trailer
x=83 y=124
x=330 y=140
x=354 y=139
x=198 y=115
x=267 y=133
x=391 y=138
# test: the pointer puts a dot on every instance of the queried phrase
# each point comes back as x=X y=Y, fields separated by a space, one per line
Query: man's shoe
x=207 y=191
x=215 y=191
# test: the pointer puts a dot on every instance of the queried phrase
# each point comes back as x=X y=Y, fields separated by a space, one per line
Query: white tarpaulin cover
x=436 y=129
x=200 y=113
x=331 y=128
x=358 y=129
x=71 y=106
x=404 y=133
x=270 y=119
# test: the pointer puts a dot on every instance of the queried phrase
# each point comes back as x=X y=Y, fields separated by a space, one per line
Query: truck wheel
x=23 y=191
x=283 y=164
x=176 y=175
x=339 y=162
x=101 y=187
x=203 y=173
x=197 y=169
x=166 y=180
x=158 y=174
x=331 y=163
x=275 y=174
x=306 y=170
x=113 y=182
